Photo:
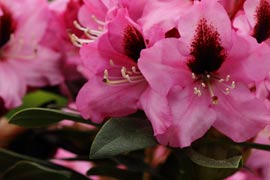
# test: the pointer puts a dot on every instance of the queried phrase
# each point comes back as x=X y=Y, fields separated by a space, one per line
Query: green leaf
x=114 y=172
x=39 y=98
x=38 y=117
x=9 y=159
x=25 y=170
x=121 y=135
x=234 y=162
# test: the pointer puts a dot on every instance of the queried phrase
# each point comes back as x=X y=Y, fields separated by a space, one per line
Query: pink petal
x=13 y=86
x=117 y=29
x=193 y=116
x=97 y=100
x=241 y=24
x=250 y=7
x=162 y=65
x=156 y=14
x=157 y=110
x=215 y=15
x=240 y=115
x=43 y=68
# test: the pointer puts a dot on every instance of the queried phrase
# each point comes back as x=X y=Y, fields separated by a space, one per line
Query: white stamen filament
x=78 y=26
x=90 y=33
x=78 y=41
x=126 y=77
x=97 y=20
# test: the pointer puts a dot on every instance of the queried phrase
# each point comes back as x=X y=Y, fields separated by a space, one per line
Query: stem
x=264 y=147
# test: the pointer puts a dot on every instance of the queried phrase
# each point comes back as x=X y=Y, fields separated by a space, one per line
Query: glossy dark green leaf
x=233 y=162
x=121 y=135
x=40 y=98
x=26 y=170
x=38 y=117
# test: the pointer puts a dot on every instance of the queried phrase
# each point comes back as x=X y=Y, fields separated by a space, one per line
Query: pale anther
x=203 y=85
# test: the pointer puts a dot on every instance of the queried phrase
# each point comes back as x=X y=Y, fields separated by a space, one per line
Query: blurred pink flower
x=62 y=17
x=205 y=77
x=23 y=61
x=79 y=166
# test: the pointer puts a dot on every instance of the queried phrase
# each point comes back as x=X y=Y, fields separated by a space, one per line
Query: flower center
x=207 y=80
x=133 y=43
x=262 y=28
x=206 y=57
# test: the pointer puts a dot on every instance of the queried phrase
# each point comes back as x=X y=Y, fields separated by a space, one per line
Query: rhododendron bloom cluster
x=189 y=70
x=195 y=72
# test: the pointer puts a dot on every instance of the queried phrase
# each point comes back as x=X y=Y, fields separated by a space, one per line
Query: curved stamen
x=102 y=23
x=90 y=33
x=126 y=77
x=78 y=41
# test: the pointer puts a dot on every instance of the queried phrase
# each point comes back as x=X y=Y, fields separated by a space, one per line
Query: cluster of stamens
x=128 y=75
x=206 y=82
x=91 y=34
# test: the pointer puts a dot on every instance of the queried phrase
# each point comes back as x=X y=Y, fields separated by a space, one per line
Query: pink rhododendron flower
x=116 y=84
x=205 y=77
x=24 y=62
